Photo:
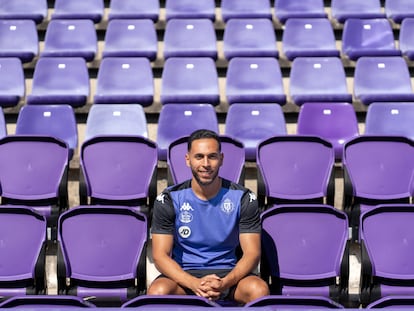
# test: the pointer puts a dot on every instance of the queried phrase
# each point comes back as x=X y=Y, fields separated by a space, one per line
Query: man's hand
x=212 y=285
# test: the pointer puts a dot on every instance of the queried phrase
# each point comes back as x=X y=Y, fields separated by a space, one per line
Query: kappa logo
x=186 y=207
x=252 y=196
x=161 y=198
x=184 y=232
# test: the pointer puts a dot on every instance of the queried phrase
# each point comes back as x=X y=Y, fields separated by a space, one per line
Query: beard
x=200 y=181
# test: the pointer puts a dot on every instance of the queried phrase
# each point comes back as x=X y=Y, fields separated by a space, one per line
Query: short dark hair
x=203 y=133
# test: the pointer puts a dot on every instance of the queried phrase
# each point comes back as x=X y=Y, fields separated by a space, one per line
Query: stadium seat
x=3 y=125
x=177 y=120
x=22 y=252
x=203 y=41
x=232 y=168
x=390 y=119
x=254 y=80
x=190 y=80
x=368 y=37
x=116 y=119
x=49 y=120
x=34 y=172
x=249 y=38
x=132 y=9
x=393 y=302
x=251 y=123
x=377 y=170
x=79 y=9
x=406 y=37
x=71 y=38
x=295 y=169
x=305 y=251
x=285 y=9
x=18 y=38
x=342 y=10
x=172 y=301
x=35 y=10
x=308 y=37
x=46 y=301
x=60 y=80
x=124 y=80
x=295 y=302
x=386 y=258
x=398 y=10
x=318 y=79
x=130 y=38
x=190 y=9
x=118 y=170
x=12 y=81
x=101 y=254
x=335 y=122
x=382 y=79
x=245 y=9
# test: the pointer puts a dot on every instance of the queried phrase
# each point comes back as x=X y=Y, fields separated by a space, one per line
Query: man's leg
x=165 y=286
x=250 y=288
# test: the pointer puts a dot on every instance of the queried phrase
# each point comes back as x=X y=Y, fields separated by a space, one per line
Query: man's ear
x=187 y=159
x=222 y=158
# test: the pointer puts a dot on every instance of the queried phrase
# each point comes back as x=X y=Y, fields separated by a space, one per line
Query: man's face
x=204 y=159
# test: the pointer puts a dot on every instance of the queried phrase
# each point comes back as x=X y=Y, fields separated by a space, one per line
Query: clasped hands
x=210 y=287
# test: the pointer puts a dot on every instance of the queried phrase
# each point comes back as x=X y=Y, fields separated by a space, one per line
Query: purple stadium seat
x=12 y=81
x=393 y=302
x=305 y=251
x=118 y=170
x=101 y=254
x=131 y=38
x=71 y=38
x=232 y=168
x=377 y=170
x=22 y=252
x=245 y=9
x=254 y=80
x=124 y=80
x=60 y=80
x=49 y=120
x=35 y=10
x=190 y=9
x=251 y=123
x=172 y=301
x=406 y=37
x=318 y=79
x=309 y=37
x=295 y=302
x=203 y=38
x=368 y=37
x=343 y=9
x=249 y=38
x=132 y=9
x=285 y=9
x=386 y=258
x=177 y=120
x=18 y=38
x=390 y=119
x=335 y=122
x=190 y=80
x=382 y=79
x=46 y=301
x=398 y=10
x=295 y=169
x=116 y=119
x=79 y=9
x=33 y=172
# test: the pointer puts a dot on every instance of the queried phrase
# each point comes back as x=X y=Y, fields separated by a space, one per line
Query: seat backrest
x=118 y=168
x=46 y=301
x=390 y=118
x=335 y=122
x=12 y=81
x=233 y=163
x=304 y=245
x=190 y=9
x=22 y=251
x=295 y=302
x=35 y=10
x=405 y=38
x=116 y=119
x=251 y=123
x=163 y=301
x=245 y=9
x=131 y=9
x=177 y=120
x=398 y=10
x=285 y=9
x=342 y=10
x=78 y=9
x=296 y=168
x=393 y=302
x=101 y=246
x=318 y=79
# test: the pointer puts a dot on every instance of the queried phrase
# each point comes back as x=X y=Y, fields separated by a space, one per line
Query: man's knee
x=251 y=288
x=163 y=286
